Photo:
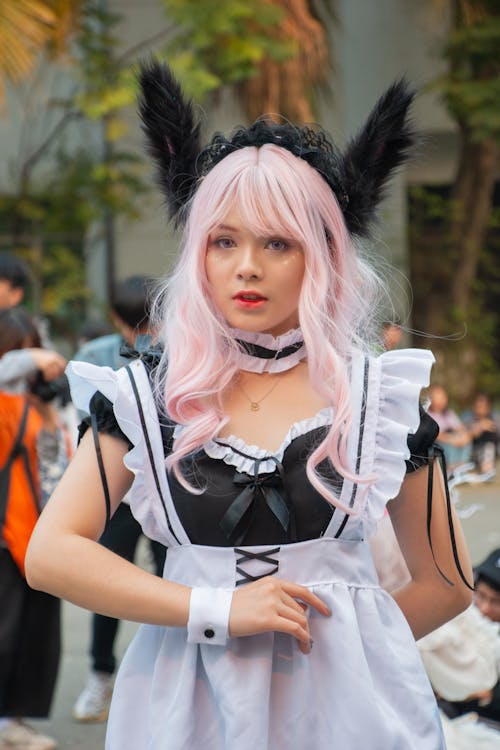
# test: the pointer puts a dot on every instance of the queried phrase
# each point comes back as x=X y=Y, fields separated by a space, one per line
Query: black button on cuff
x=209 y=633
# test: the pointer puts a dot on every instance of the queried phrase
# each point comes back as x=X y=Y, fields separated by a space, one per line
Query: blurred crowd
x=470 y=440
x=38 y=432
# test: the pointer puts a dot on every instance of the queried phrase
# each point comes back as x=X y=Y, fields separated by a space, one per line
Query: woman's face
x=255 y=281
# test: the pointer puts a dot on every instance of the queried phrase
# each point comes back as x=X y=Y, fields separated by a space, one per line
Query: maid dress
x=363 y=685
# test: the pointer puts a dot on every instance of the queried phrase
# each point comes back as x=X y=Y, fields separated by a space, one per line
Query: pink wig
x=274 y=192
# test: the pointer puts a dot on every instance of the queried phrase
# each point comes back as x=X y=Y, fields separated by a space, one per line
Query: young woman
x=262 y=448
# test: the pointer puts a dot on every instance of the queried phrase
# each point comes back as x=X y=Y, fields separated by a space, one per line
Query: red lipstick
x=249 y=299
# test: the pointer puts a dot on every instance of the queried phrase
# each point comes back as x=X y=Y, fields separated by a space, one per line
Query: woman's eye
x=224 y=242
x=278 y=244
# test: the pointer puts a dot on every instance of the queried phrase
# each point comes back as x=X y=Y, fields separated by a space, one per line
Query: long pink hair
x=275 y=192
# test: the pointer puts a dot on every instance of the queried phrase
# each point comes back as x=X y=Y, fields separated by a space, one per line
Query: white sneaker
x=93 y=702
x=17 y=735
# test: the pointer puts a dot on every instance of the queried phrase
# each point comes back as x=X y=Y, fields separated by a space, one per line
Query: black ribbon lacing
x=263 y=556
x=271 y=488
x=435 y=451
x=100 y=463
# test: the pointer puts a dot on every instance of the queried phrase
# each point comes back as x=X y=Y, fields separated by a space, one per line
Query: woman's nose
x=249 y=265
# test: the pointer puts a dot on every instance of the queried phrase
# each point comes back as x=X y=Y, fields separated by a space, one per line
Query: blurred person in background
x=484 y=433
x=483 y=701
x=33 y=456
x=453 y=436
x=93 y=329
x=130 y=315
x=487 y=593
x=391 y=335
x=15 y=364
x=462 y=657
x=14 y=280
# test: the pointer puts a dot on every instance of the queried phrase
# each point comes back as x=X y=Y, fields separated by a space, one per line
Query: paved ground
x=478 y=506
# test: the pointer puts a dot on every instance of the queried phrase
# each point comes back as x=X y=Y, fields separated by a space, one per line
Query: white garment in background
x=462 y=656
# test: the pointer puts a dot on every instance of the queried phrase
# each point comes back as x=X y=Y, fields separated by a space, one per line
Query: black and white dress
x=363 y=684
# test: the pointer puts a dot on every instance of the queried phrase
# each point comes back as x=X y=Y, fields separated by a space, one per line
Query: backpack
x=19 y=489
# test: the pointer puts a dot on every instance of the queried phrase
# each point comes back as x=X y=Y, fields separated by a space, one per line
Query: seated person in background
x=485 y=701
x=484 y=433
x=462 y=657
x=453 y=435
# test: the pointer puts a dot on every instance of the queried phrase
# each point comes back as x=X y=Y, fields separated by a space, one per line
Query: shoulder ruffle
x=401 y=374
x=85 y=380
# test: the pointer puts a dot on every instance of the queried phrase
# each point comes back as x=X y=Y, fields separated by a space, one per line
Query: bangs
x=262 y=192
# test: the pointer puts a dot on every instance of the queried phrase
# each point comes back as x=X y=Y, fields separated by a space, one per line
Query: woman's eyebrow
x=226 y=228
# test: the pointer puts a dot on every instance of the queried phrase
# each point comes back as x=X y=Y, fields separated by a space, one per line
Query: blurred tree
x=30 y=27
x=273 y=51
x=61 y=189
x=453 y=233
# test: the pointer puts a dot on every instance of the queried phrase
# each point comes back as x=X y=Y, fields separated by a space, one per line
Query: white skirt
x=362 y=687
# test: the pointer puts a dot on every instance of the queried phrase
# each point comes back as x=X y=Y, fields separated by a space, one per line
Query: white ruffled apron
x=363 y=685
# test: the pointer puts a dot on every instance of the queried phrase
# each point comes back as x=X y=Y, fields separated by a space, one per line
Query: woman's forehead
x=258 y=216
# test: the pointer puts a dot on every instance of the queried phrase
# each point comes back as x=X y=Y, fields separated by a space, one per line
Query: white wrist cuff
x=209 y=616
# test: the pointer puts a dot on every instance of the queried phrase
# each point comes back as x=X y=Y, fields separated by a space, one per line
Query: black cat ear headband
x=357 y=176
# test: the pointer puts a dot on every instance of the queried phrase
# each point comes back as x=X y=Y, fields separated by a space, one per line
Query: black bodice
x=239 y=508
x=247 y=508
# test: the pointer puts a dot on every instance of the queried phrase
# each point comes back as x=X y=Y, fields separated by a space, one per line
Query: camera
x=48 y=390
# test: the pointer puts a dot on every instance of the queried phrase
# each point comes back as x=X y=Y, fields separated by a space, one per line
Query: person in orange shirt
x=33 y=455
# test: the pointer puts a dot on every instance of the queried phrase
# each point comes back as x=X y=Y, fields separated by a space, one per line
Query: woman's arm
x=428 y=601
x=65 y=559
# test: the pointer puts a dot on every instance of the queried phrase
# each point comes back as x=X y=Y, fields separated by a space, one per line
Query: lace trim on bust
x=230 y=452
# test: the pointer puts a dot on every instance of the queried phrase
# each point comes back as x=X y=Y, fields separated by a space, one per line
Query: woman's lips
x=249 y=299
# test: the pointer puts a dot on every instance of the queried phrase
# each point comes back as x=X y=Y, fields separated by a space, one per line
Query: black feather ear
x=384 y=143
x=172 y=133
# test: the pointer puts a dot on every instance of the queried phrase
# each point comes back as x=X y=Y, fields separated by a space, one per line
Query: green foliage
x=471 y=89
x=106 y=85
x=471 y=92
x=47 y=231
x=47 y=221
x=433 y=256
x=221 y=42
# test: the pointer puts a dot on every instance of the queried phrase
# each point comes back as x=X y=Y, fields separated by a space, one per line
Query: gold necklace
x=255 y=405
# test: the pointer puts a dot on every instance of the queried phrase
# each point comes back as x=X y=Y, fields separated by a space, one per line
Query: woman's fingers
x=274 y=604
x=305 y=596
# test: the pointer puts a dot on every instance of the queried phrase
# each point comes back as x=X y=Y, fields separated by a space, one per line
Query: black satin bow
x=268 y=486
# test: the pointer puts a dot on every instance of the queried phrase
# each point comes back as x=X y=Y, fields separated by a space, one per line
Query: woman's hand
x=274 y=604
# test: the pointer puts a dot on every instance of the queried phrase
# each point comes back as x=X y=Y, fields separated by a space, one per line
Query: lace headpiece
x=357 y=175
